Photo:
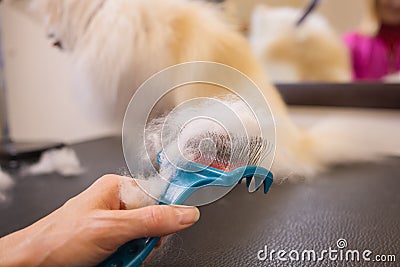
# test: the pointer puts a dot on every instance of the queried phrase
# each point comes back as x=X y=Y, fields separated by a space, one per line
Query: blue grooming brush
x=195 y=176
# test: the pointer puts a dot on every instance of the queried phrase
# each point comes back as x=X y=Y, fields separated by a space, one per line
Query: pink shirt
x=372 y=59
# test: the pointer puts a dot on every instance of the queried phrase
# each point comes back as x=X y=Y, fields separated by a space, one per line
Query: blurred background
x=343 y=15
x=43 y=105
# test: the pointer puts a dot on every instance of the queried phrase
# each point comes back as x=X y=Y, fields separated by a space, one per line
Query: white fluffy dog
x=118 y=44
x=309 y=52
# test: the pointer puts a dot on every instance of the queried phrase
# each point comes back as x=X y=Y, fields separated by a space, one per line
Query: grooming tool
x=307 y=12
x=235 y=159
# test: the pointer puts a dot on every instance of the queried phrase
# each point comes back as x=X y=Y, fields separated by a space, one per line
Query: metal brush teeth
x=228 y=152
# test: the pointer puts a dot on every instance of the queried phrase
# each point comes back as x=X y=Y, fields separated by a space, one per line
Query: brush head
x=217 y=160
x=227 y=152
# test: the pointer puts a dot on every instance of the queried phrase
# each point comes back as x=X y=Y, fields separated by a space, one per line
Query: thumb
x=157 y=220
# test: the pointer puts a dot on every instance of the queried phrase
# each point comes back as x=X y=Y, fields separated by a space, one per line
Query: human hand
x=90 y=227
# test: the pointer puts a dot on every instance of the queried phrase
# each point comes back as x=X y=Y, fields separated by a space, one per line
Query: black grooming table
x=358 y=203
x=359 y=94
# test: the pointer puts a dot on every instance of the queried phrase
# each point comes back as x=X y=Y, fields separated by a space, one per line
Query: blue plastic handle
x=131 y=254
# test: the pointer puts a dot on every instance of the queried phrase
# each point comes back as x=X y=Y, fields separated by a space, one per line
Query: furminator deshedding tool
x=223 y=161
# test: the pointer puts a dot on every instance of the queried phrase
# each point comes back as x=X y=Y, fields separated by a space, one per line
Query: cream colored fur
x=118 y=44
x=310 y=52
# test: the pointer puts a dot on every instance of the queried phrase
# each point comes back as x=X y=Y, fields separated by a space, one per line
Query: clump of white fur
x=5 y=184
x=133 y=196
x=63 y=161
x=171 y=134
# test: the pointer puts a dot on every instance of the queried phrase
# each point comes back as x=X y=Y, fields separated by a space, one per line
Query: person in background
x=375 y=50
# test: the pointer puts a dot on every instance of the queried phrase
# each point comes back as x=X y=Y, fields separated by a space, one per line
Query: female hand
x=90 y=227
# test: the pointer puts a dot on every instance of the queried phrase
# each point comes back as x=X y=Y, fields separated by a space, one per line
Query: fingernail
x=187 y=215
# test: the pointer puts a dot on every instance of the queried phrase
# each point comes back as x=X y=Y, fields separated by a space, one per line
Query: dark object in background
x=355 y=95
x=12 y=154
x=307 y=12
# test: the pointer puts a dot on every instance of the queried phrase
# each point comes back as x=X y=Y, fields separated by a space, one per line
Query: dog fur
x=309 y=52
x=6 y=183
x=118 y=44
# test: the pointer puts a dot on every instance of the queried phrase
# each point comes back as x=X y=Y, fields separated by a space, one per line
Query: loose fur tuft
x=63 y=161
x=6 y=183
